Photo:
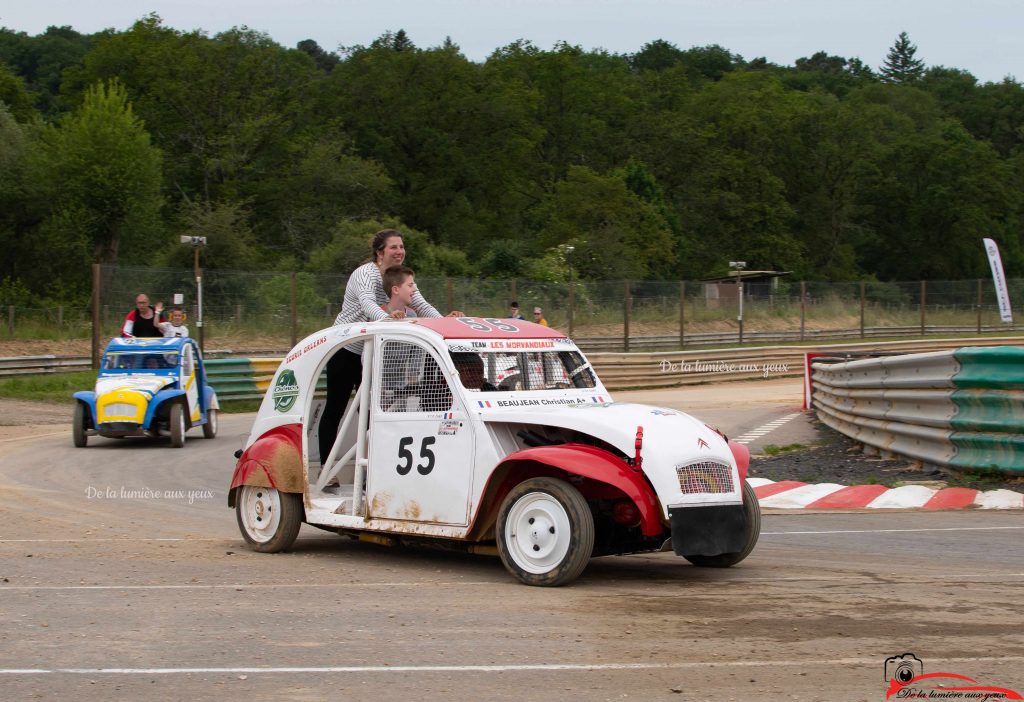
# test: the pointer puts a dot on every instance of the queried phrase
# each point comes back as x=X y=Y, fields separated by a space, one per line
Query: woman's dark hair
x=380 y=240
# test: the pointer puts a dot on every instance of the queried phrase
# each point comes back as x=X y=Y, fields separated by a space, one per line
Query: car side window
x=411 y=380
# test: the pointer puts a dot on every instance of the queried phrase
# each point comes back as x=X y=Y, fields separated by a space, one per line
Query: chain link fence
x=245 y=310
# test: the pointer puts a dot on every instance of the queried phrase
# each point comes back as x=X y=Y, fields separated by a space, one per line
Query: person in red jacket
x=143 y=321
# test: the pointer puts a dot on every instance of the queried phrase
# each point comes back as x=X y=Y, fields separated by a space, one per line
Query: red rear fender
x=274 y=460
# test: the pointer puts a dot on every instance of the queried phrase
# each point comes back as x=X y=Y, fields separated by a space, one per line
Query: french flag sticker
x=449 y=415
x=484 y=403
x=599 y=398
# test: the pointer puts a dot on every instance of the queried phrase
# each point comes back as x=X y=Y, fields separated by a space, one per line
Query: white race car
x=546 y=470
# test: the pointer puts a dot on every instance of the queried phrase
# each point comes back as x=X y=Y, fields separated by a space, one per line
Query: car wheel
x=545 y=532
x=268 y=519
x=177 y=422
x=78 y=426
x=210 y=428
x=752 y=509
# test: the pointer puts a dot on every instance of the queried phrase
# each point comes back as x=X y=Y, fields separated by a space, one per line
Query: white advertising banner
x=1002 y=294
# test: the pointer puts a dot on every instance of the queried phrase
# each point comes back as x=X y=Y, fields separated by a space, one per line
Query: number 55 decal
x=425 y=453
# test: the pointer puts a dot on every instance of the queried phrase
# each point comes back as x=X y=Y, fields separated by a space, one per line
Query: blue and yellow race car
x=147 y=387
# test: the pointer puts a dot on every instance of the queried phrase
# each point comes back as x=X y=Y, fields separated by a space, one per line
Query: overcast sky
x=980 y=36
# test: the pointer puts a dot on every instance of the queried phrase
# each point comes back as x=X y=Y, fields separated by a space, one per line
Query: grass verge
x=53 y=387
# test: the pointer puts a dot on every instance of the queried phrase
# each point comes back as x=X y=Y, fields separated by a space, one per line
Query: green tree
x=325 y=61
x=616 y=233
x=349 y=248
x=15 y=96
x=940 y=191
x=41 y=60
x=101 y=176
x=900 y=65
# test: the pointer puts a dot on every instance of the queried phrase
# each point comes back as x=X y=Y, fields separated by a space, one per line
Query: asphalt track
x=122 y=576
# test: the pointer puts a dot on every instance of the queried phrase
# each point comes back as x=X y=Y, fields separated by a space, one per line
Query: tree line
x=661 y=164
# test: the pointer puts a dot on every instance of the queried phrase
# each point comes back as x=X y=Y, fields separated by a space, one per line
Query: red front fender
x=742 y=455
x=595 y=464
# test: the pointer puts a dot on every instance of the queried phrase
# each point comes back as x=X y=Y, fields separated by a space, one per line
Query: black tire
x=210 y=428
x=545 y=532
x=752 y=509
x=78 y=434
x=268 y=519
x=176 y=420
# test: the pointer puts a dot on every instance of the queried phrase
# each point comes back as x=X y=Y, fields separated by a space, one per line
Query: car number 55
x=405 y=455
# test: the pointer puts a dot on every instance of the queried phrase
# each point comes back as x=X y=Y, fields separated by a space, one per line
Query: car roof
x=486 y=328
x=157 y=344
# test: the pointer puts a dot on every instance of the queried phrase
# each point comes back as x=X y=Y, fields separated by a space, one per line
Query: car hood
x=670 y=439
x=146 y=384
x=617 y=422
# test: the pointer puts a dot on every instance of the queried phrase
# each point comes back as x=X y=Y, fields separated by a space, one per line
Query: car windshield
x=139 y=361
x=507 y=371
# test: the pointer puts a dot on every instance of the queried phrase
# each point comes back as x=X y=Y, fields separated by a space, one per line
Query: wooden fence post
x=978 y=305
x=924 y=293
x=295 y=309
x=572 y=304
x=627 y=310
x=862 y=300
x=803 y=307
x=96 y=316
x=682 y=314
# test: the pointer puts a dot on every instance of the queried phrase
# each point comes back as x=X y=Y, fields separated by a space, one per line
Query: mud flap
x=708 y=531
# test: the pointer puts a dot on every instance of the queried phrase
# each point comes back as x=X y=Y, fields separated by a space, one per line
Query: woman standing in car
x=364 y=296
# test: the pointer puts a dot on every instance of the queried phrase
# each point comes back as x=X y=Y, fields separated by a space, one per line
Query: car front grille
x=120 y=410
x=705 y=476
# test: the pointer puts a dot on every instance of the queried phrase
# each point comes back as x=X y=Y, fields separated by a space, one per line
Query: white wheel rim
x=261 y=512
x=181 y=424
x=211 y=417
x=538 y=533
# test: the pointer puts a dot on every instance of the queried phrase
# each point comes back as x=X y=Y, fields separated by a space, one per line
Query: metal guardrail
x=961 y=408
x=591 y=344
x=38 y=365
x=620 y=371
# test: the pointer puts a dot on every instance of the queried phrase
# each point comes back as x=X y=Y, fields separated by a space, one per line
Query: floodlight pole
x=197 y=242
x=738 y=266
x=199 y=299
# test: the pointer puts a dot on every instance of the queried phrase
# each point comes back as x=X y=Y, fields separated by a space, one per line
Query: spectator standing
x=538 y=316
x=143 y=320
x=514 y=311
x=364 y=298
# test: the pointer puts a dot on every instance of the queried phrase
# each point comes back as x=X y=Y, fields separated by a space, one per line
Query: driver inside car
x=471 y=371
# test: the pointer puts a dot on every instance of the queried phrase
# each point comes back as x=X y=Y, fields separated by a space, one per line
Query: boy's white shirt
x=171 y=331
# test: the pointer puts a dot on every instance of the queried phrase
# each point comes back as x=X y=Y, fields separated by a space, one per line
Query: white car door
x=421 y=441
x=189 y=382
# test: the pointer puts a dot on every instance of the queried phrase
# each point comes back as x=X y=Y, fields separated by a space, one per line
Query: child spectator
x=400 y=286
x=514 y=311
x=176 y=325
